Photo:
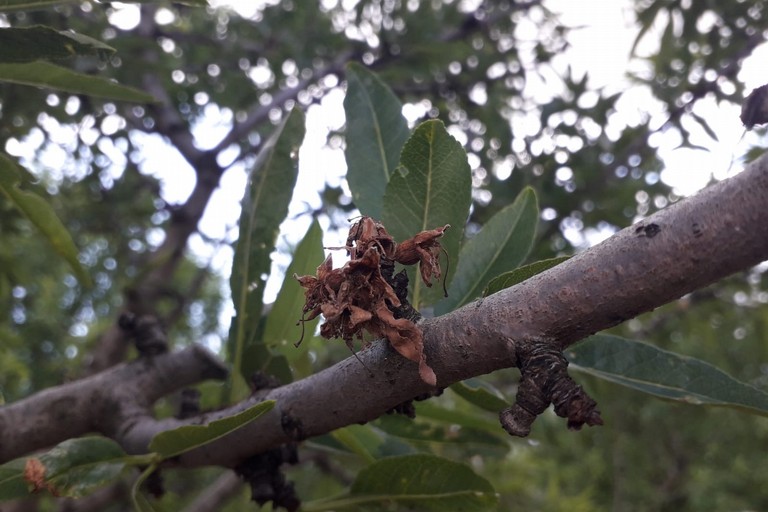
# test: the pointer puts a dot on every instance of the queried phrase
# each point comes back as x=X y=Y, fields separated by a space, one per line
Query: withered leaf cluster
x=357 y=297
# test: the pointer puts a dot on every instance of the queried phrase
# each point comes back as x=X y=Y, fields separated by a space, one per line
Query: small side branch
x=545 y=381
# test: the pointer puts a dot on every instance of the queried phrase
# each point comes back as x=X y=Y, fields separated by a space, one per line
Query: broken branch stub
x=357 y=297
x=545 y=380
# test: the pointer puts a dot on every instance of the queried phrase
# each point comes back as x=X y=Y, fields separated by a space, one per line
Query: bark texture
x=689 y=245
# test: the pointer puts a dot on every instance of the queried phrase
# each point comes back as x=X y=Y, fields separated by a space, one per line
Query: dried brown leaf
x=356 y=297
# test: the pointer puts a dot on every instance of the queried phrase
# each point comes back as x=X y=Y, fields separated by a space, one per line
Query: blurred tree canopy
x=224 y=77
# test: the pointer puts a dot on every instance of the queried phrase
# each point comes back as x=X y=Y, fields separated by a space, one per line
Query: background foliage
x=471 y=65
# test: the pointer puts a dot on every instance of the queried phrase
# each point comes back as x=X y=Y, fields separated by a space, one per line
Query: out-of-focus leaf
x=415 y=482
x=28 y=5
x=376 y=133
x=501 y=245
x=520 y=274
x=265 y=205
x=671 y=376
x=45 y=74
x=40 y=213
x=476 y=420
x=481 y=394
x=39 y=42
x=359 y=439
x=72 y=469
x=179 y=440
x=431 y=188
x=281 y=331
x=432 y=432
x=12 y=483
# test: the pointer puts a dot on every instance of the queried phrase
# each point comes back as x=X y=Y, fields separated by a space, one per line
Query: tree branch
x=106 y=402
x=688 y=245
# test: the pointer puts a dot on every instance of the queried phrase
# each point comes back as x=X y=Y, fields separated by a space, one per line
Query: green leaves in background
x=663 y=374
x=431 y=188
x=281 y=330
x=520 y=274
x=481 y=394
x=40 y=213
x=265 y=205
x=70 y=469
x=177 y=441
x=47 y=75
x=501 y=245
x=44 y=43
x=415 y=482
x=376 y=132
x=18 y=5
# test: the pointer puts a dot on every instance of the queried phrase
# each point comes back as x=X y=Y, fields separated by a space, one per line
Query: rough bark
x=689 y=245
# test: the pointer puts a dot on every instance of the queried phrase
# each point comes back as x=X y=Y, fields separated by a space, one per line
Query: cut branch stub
x=358 y=297
x=545 y=380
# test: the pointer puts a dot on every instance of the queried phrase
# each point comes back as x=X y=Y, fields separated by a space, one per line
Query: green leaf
x=72 y=469
x=140 y=501
x=40 y=213
x=433 y=411
x=12 y=483
x=521 y=274
x=281 y=331
x=179 y=440
x=27 y=5
x=501 y=245
x=481 y=394
x=431 y=188
x=40 y=42
x=649 y=369
x=45 y=74
x=359 y=439
x=415 y=482
x=376 y=132
x=434 y=432
x=265 y=205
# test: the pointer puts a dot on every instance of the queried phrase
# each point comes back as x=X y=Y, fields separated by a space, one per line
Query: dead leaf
x=357 y=297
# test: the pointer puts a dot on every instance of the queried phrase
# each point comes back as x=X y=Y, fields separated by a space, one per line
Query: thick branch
x=680 y=249
x=674 y=252
x=106 y=402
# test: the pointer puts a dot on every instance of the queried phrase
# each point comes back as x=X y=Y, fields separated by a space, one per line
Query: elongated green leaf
x=40 y=42
x=14 y=5
x=177 y=441
x=519 y=275
x=265 y=205
x=501 y=245
x=12 y=483
x=415 y=482
x=140 y=501
x=359 y=439
x=45 y=74
x=434 y=432
x=432 y=411
x=649 y=369
x=72 y=469
x=376 y=133
x=431 y=188
x=282 y=330
x=40 y=213
x=481 y=394
x=27 y=5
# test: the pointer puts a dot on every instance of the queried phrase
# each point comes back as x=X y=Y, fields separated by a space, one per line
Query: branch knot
x=545 y=380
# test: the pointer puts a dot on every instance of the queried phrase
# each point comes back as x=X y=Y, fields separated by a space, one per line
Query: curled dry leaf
x=424 y=249
x=357 y=297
